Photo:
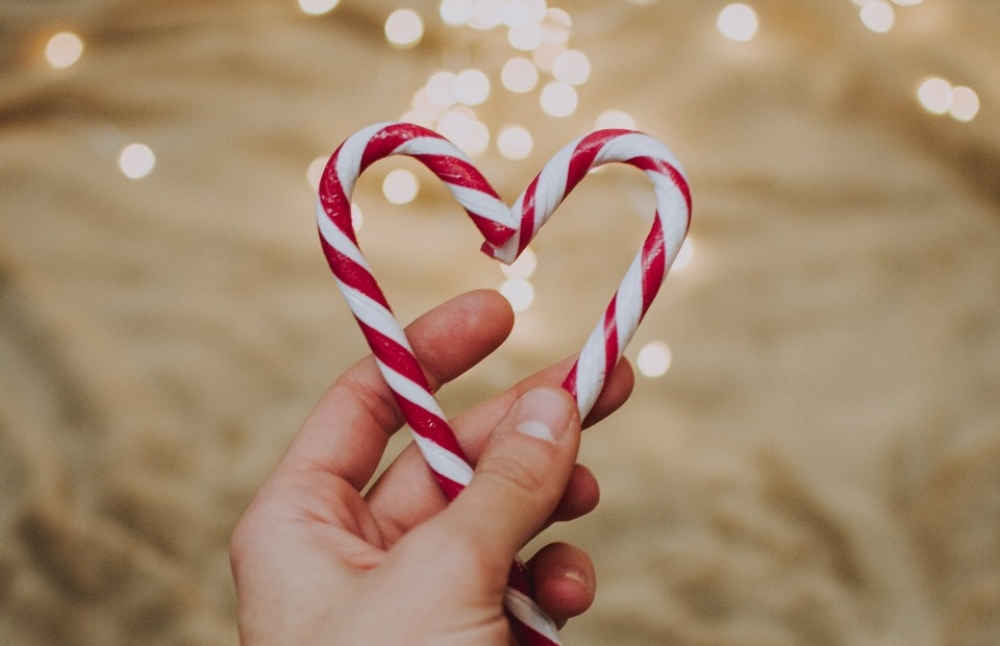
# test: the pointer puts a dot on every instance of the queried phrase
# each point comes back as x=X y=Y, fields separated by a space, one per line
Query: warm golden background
x=821 y=463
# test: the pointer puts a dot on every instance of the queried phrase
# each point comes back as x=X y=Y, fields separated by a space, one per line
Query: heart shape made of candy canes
x=507 y=231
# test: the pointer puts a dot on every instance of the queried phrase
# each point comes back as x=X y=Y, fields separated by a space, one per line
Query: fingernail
x=543 y=414
x=574 y=575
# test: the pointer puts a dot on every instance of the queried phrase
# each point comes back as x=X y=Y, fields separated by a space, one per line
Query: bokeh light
x=404 y=28
x=518 y=292
x=738 y=22
x=517 y=13
x=523 y=267
x=654 y=359
x=964 y=103
x=460 y=126
x=571 y=66
x=615 y=119
x=63 y=49
x=519 y=75
x=441 y=89
x=476 y=139
x=400 y=186
x=471 y=87
x=878 y=16
x=486 y=14
x=357 y=217
x=318 y=7
x=136 y=161
x=425 y=108
x=525 y=38
x=684 y=255
x=559 y=99
x=935 y=95
x=556 y=26
x=515 y=142
x=457 y=13
x=412 y=116
x=546 y=54
x=314 y=172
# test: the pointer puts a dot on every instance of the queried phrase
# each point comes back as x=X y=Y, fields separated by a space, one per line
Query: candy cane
x=506 y=232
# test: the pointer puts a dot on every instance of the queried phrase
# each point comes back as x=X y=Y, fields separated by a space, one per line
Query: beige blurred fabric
x=821 y=463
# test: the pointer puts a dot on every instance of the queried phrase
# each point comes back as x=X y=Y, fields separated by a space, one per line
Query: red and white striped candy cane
x=606 y=344
x=507 y=232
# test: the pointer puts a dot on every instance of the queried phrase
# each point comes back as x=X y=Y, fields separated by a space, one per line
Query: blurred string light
x=517 y=13
x=738 y=22
x=615 y=119
x=545 y=56
x=136 y=161
x=400 y=186
x=900 y=3
x=515 y=142
x=937 y=96
x=486 y=14
x=441 y=89
x=571 y=66
x=63 y=50
x=518 y=292
x=964 y=103
x=524 y=267
x=533 y=28
x=314 y=172
x=357 y=217
x=559 y=99
x=526 y=38
x=445 y=105
x=517 y=289
x=654 y=359
x=460 y=126
x=684 y=255
x=519 y=75
x=878 y=16
x=318 y=7
x=472 y=87
x=404 y=28
x=457 y=13
x=556 y=26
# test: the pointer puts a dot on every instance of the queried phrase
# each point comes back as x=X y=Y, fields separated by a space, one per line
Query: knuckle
x=466 y=554
x=377 y=400
x=518 y=476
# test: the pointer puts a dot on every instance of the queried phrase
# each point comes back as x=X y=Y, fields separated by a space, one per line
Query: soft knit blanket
x=821 y=464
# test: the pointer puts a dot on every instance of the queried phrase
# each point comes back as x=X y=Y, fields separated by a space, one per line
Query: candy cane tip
x=506 y=254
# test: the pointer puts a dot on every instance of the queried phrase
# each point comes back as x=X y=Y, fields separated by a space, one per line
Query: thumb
x=520 y=477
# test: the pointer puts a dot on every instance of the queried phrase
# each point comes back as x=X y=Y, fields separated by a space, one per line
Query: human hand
x=316 y=562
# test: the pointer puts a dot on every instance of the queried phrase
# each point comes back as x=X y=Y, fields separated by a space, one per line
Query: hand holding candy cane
x=317 y=563
x=520 y=477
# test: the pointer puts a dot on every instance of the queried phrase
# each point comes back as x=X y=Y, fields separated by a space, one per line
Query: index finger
x=347 y=431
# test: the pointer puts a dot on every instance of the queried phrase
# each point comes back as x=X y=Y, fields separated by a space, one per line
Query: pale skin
x=316 y=562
